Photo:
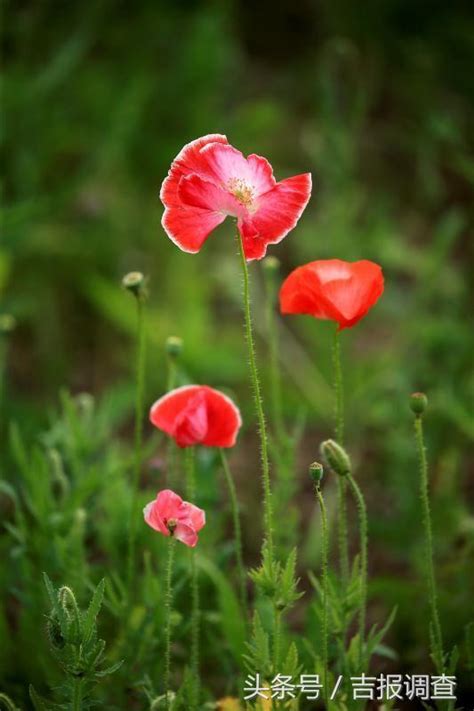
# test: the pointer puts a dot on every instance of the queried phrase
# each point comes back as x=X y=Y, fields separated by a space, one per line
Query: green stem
x=276 y=641
x=195 y=613
x=437 y=637
x=168 y=602
x=324 y=575
x=171 y=448
x=339 y=435
x=139 y=417
x=275 y=380
x=267 y=493
x=237 y=532
x=76 y=704
x=363 y=530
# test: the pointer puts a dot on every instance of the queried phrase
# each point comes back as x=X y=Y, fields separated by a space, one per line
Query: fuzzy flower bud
x=174 y=346
x=271 y=265
x=135 y=283
x=316 y=472
x=418 y=403
x=7 y=323
x=336 y=457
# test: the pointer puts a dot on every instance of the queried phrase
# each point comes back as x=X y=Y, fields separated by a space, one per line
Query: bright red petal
x=224 y=419
x=277 y=213
x=194 y=191
x=333 y=289
x=186 y=162
x=180 y=414
x=228 y=167
x=189 y=227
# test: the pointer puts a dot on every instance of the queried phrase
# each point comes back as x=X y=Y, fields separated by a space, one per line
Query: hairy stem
x=324 y=576
x=363 y=532
x=237 y=532
x=195 y=612
x=138 y=456
x=168 y=602
x=76 y=702
x=267 y=493
x=339 y=435
x=437 y=637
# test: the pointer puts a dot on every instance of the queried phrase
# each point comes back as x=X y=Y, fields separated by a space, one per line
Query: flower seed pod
x=271 y=265
x=336 y=457
x=135 y=283
x=174 y=346
x=418 y=403
x=7 y=323
x=316 y=472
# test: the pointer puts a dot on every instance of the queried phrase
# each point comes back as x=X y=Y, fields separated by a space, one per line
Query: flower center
x=241 y=191
x=171 y=524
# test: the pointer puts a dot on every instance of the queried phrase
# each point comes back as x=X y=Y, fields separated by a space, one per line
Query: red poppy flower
x=332 y=289
x=172 y=516
x=197 y=414
x=209 y=180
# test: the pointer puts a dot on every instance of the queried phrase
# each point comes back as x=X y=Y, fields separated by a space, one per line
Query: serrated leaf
x=93 y=610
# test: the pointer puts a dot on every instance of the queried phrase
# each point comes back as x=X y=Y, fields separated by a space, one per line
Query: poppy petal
x=333 y=289
x=186 y=534
x=186 y=162
x=189 y=227
x=277 y=212
x=194 y=515
x=180 y=413
x=197 y=192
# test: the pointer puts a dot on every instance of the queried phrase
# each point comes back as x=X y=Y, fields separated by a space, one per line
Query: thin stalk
x=171 y=448
x=324 y=577
x=276 y=640
x=76 y=703
x=275 y=380
x=138 y=455
x=168 y=602
x=195 y=613
x=437 y=637
x=237 y=531
x=267 y=493
x=363 y=532
x=339 y=435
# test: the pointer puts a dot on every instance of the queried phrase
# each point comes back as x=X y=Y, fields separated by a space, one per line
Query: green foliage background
x=377 y=102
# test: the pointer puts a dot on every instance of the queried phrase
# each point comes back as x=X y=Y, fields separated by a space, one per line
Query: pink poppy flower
x=210 y=180
x=197 y=414
x=172 y=516
x=333 y=289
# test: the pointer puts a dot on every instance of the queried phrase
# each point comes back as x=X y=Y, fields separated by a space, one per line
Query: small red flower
x=209 y=180
x=332 y=289
x=172 y=516
x=197 y=414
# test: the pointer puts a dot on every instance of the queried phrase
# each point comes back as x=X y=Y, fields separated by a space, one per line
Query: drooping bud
x=336 y=457
x=135 y=283
x=418 y=403
x=316 y=472
x=174 y=346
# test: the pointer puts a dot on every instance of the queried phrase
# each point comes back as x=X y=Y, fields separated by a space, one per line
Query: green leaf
x=93 y=610
x=38 y=702
x=232 y=618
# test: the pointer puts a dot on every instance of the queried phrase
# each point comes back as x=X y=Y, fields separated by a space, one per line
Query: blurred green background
x=376 y=100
